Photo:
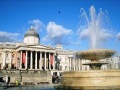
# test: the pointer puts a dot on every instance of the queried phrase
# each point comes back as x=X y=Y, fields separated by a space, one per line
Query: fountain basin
x=91 y=80
x=95 y=54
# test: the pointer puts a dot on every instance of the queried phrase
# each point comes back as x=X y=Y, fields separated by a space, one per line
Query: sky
x=62 y=22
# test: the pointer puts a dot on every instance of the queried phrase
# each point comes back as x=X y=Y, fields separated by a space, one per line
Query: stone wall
x=25 y=76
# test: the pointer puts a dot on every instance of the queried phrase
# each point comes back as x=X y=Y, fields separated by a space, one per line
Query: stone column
x=76 y=68
x=40 y=65
x=20 y=59
x=10 y=59
x=31 y=60
x=36 y=60
x=45 y=60
x=26 y=61
x=4 y=61
x=49 y=62
x=74 y=63
x=69 y=64
x=17 y=61
x=79 y=64
x=53 y=61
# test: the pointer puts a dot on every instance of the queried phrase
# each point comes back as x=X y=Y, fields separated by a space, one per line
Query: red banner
x=23 y=57
x=51 y=59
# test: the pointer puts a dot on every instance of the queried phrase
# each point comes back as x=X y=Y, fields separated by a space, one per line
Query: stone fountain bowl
x=95 y=54
x=90 y=80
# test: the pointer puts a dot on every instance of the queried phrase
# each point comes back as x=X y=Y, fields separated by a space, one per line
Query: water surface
x=40 y=87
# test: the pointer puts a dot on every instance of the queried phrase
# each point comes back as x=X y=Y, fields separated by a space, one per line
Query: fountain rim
x=89 y=50
x=95 y=54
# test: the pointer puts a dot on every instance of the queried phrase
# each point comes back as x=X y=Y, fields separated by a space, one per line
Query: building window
x=13 y=67
x=60 y=58
x=12 y=55
x=6 y=65
x=65 y=67
x=85 y=68
x=60 y=67
x=65 y=59
x=7 y=54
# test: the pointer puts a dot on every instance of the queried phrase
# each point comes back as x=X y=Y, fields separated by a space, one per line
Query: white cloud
x=84 y=34
x=8 y=37
x=56 y=33
x=38 y=25
x=102 y=35
x=118 y=37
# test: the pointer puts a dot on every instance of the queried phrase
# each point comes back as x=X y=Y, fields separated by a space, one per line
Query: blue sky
x=66 y=27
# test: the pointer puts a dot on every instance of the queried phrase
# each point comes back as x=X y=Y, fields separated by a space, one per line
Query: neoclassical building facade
x=27 y=55
x=67 y=60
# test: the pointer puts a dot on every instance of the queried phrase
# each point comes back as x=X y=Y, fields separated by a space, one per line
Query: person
x=55 y=77
x=2 y=80
x=7 y=80
x=16 y=82
x=43 y=68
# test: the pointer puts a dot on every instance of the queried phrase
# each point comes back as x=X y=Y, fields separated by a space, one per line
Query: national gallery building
x=27 y=55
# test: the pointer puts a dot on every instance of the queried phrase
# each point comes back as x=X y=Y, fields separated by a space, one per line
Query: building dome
x=31 y=32
x=31 y=36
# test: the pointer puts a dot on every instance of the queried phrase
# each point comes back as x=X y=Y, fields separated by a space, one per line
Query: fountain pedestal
x=95 y=65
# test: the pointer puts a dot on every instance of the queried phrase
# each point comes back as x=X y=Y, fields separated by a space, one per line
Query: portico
x=36 y=59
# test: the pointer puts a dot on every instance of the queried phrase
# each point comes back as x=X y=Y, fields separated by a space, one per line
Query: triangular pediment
x=38 y=46
x=34 y=47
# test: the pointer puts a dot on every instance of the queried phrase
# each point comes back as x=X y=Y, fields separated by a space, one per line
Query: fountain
x=94 y=78
x=95 y=55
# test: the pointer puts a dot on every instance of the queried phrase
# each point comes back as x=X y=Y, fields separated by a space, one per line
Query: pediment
x=38 y=46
